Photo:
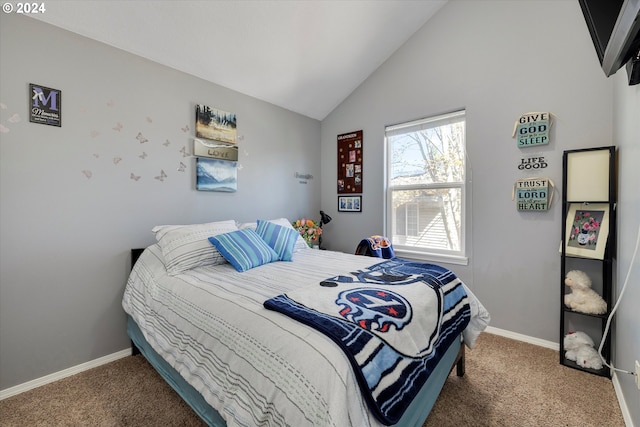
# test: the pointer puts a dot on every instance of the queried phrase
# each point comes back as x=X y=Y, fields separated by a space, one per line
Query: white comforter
x=253 y=365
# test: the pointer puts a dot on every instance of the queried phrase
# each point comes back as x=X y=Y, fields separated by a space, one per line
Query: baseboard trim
x=626 y=414
x=21 y=388
x=29 y=385
x=525 y=338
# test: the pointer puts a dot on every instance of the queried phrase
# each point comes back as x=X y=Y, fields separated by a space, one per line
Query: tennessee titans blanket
x=394 y=320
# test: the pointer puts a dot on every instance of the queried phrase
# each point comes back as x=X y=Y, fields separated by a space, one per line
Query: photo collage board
x=350 y=163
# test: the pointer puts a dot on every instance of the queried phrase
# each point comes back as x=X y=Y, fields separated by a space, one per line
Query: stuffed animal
x=582 y=298
x=579 y=348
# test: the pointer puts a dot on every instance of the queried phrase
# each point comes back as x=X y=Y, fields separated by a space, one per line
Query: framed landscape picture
x=216 y=175
x=215 y=124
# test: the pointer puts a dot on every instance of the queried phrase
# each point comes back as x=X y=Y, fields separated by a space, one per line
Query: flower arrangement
x=308 y=229
x=585 y=228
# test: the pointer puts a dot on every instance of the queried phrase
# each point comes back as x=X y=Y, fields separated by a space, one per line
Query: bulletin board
x=350 y=162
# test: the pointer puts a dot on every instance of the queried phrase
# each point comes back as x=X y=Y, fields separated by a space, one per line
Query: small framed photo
x=349 y=203
x=587 y=230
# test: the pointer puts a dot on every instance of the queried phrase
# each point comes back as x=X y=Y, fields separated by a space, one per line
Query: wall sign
x=303 y=178
x=532 y=129
x=350 y=162
x=215 y=151
x=533 y=194
x=532 y=163
x=46 y=105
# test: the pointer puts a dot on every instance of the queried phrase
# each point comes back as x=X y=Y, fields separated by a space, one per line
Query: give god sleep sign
x=532 y=129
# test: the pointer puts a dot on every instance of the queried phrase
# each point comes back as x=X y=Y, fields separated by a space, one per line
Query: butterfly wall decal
x=134 y=177
x=162 y=176
x=182 y=167
x=141 y=138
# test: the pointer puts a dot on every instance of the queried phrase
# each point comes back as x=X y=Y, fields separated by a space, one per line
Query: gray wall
x=65 y=237
x=488 y=58
x=499 y=60
x=626 y=135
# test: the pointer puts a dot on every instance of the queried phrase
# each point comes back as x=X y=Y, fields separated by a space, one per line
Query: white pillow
x=251 y=225
x=187 y=246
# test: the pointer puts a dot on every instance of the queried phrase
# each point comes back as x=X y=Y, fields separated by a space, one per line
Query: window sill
x=431 y=257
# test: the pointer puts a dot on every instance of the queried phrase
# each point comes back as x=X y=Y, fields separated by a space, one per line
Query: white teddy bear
x=582 y=298
x=579 y=348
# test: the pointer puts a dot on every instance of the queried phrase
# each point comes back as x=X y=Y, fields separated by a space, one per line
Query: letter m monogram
x=43 y=97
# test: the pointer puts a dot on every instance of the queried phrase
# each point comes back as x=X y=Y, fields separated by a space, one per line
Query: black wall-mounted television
x=614 y=26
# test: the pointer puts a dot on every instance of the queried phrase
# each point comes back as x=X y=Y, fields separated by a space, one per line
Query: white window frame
x=409 y=224
x=426 y=254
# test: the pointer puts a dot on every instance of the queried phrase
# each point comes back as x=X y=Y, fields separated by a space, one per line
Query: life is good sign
x=532 y=163
x=532 y=129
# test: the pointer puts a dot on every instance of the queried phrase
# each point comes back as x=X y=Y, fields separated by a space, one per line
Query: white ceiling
x=306 y=55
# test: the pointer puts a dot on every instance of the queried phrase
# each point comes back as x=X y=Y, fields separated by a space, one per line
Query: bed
x=207 y=328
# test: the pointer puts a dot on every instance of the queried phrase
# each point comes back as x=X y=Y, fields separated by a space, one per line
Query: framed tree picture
x=215 y=124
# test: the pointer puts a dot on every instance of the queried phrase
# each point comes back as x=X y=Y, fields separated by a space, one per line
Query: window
x=426 y=187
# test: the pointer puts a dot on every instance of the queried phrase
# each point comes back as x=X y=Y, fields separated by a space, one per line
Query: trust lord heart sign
x=533 y=194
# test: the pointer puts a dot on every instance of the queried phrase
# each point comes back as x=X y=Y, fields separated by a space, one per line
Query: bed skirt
x=415 y=415
x=189 y=394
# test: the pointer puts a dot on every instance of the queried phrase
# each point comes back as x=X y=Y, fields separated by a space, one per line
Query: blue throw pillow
x=280 y=239
x=244 y=249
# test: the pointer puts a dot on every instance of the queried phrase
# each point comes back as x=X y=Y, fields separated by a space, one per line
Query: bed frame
x=196 y=401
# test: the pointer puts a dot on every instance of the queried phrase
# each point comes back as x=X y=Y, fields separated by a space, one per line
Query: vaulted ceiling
x=306 y=56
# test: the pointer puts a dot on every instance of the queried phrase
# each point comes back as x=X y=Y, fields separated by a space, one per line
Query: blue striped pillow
x=280 y=239
x=244 y=249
